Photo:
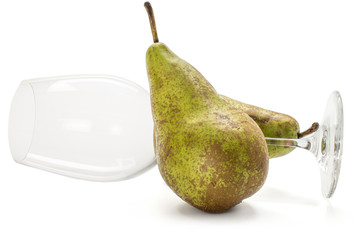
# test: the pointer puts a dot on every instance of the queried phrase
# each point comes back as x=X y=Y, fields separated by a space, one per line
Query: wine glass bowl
x=93 y=127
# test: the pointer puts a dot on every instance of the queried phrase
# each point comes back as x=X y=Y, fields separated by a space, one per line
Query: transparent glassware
x=93 y=127
x=100 y=128
x=326 y=144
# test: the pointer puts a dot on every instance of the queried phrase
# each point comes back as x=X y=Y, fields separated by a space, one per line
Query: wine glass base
x=330 y=144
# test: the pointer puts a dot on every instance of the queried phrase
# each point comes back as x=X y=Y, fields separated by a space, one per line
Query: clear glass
x=326 y=144
x=93 y=127
x=100 y=128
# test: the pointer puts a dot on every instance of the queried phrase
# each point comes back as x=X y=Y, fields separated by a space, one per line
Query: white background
x=286 y=56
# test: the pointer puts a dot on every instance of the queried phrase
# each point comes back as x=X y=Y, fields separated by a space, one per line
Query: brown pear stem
x=150 y=12
x=314 y=127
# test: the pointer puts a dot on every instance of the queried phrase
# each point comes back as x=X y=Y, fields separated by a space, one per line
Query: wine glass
x=100 y=128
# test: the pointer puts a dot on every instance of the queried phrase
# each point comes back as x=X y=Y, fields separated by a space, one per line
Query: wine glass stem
x=304 y=143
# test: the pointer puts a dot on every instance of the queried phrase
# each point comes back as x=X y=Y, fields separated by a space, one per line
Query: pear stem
x=150 y=13
x=314 y=127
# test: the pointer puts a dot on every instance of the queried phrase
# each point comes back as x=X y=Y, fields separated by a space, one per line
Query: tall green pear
x=209 y=153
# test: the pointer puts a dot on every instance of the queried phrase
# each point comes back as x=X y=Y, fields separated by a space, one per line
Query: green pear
x=272 y=124
x=210 y=153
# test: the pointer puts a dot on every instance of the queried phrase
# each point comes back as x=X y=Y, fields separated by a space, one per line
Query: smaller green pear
x=273 y=125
